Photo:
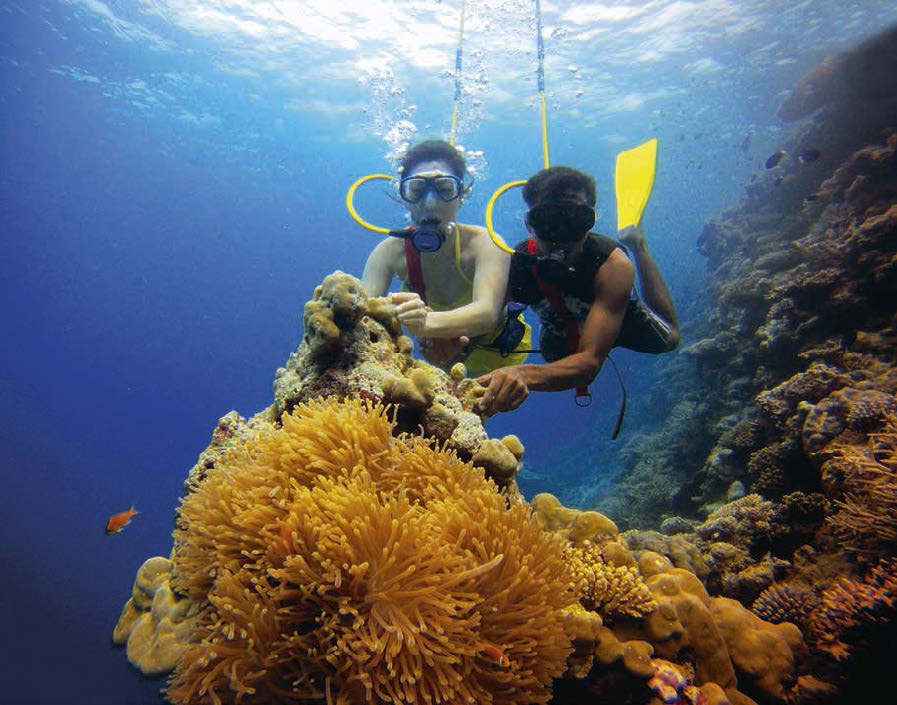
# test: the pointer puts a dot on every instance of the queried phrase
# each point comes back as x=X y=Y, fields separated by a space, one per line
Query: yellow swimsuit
x=481 y=360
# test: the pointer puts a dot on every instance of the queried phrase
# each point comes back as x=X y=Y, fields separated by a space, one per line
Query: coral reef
x=726 y=641
x=792 y=374
x=330 y=559
x=362 y=540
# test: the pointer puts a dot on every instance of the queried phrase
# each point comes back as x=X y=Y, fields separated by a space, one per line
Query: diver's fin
x=634 y=179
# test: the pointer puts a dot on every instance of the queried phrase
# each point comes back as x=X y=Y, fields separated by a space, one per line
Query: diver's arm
x=508 y=387
x=379 y=268
x=490 y=282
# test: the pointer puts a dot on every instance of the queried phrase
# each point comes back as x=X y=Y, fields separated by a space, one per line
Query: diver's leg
x=655 y=294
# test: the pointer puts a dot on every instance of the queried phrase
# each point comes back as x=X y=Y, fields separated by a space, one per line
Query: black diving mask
x=425 y=236
x=561 y=222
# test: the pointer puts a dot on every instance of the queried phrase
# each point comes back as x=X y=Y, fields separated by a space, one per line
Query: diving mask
x=561 y=222
x=447 y=187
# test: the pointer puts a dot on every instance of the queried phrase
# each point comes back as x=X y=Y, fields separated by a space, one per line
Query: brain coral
x=335 y=562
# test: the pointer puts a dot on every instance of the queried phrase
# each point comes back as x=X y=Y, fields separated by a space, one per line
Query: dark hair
x=554 y=181
x=432 y=150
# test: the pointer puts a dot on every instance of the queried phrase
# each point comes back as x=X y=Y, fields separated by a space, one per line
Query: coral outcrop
x=353 y=347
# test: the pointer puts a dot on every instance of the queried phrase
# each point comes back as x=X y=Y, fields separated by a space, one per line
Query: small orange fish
x=119 y=521
x=495 y=654
x=286 y=537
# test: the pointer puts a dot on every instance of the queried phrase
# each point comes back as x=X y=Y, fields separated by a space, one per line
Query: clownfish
x=492 y=652
x=119 y=521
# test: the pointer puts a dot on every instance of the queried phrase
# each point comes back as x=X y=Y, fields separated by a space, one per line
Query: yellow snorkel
x=350 y=194
x=350 y=202
x=540 y=79
x=635 y=168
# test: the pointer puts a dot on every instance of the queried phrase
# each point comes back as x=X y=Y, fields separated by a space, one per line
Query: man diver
x=455 y=277
x=580 y=284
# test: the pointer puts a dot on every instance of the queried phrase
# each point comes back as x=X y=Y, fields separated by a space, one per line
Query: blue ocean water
x=172 y=188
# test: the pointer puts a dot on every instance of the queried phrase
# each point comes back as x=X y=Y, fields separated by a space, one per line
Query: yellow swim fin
x=634 y=180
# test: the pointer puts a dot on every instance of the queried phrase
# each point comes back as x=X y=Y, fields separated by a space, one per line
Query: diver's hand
x=632 y=237
x=443 y=352
x=411 y=312
x=506 y=389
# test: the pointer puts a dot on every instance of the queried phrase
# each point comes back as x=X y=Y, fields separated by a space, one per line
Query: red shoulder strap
x=571 y=325
x=415 y=272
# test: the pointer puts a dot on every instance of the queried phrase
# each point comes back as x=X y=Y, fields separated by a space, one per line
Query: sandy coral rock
x=371 y=359
x=763 y=653
x=585 y=627
x=231 y=432
x=417 y=390
x=155 y=624
x=634 y=654
x=497 y=461
x=513 y=444
x=365 y=355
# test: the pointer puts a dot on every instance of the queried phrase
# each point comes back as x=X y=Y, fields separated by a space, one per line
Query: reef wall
x=778 y=466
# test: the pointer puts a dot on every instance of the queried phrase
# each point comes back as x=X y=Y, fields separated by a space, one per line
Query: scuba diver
x=455 y=278
x=580 y=284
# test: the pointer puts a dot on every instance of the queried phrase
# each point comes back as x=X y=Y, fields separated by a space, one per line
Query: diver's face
x=560 y=224
x=432 y=204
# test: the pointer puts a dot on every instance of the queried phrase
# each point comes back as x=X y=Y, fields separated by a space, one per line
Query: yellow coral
x=498 y=462
x=155 y=624
x=764 y=653
x=335 y=562
x=580 y=527
x=606 y=588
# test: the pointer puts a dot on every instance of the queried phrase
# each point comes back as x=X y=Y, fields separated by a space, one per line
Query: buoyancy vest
x=482 y=357
x=576 y=291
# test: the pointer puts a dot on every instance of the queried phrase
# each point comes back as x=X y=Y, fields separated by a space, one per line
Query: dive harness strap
x=571 y=325
x=415 y=271
x=571 y=329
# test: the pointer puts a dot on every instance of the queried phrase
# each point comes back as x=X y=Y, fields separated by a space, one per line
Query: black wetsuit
x=642 y=329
